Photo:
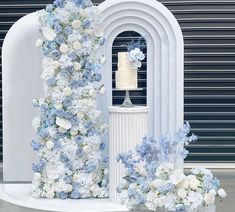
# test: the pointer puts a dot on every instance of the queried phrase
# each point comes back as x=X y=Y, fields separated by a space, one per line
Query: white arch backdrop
x=21 y=71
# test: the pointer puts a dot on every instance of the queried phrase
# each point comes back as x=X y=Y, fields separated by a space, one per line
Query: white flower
x=38 y=42
x=92 y=93
x=77 y=45
x=58 y=106
x=50 y=194
x=64 y=123
x=36 y=122
x=76 y=24
x=209 y=199
x=80 y=115
x=83 y=13
x=75 y=178
x=37 y=176
x=177 y=176
x=222 y=193
x=86 y=149
x=133 y=186
x=103 y=60
x=73 y=132
x=52 y=172
x=183 y=184
x=64 y=48
x=47 y=73
x=182 y=193
x=50 y=144
x=69 y=188
x=77 y=66
x=157 y=183
x=48 y=33
x=67 y=91
x=194 y=183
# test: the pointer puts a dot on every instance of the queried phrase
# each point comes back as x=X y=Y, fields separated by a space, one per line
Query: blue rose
x=86 y=24
x=56 y=54
x=58 y=28
x=62 y=195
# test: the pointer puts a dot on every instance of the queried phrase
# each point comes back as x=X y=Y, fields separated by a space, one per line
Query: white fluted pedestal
x=127 y=127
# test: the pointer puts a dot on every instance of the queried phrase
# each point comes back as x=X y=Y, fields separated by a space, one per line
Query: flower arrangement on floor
x=70 y=127
x=154 y=182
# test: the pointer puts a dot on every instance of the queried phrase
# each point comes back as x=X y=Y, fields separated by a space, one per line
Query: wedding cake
x=126 y=75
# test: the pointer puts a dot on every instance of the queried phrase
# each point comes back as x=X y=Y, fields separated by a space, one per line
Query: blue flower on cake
x=153 y=180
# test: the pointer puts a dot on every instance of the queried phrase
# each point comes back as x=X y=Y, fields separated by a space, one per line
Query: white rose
x=52 y=172
x=86 y=149
x=56 y=64
x=92 y=93
x=133 y=186
x=58 y=106
x=69 y=188
x=77 y=66
x=88 y=31
x=38 y=42
x=157 y=183
x=182 y=193
x=48 y=33
x=67 y=91
x=47 y=73
x=209 y=199
x=77 y=45
x=76 y=24
x=37 y=176
x=177 y=176
x=80 y=115
x=103 y=60
x=50 y=194
x=64 y=48
x=36 y=122
x=50 y=145
x=75 y=178
x=194 y=183
x=183 y=184
x=222 y=193
x=64 y=123
x=83 y=13
x=73 y=132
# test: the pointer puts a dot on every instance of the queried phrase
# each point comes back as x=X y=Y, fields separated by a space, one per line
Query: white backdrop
x=22 y=68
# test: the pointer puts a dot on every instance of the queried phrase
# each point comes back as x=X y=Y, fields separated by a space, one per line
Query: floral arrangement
x=135 y=53
x=69 y=125
x=154 y=182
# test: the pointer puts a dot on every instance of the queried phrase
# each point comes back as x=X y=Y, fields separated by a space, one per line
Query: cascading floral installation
x=70 y=127
x=153 y=181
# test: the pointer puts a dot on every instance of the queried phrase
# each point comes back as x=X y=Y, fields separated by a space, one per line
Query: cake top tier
x=123 y=60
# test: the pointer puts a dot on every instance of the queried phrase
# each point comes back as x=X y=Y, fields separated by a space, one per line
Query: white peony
x=76 y=24
x=50 y=194
x=98 y=31
x=64 y=48
x=77 y=66
x=67 y=91
x=183 y=184
x=222 y=193
x=48 y=33
x=209 y=199
x=77 y=45
x=50 y=145
x=64 y=123
x=38 y=43
x=194 y=183
x=177 y=176
x=182 y=193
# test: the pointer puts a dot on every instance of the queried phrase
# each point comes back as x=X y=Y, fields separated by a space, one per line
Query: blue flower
x=35 y=146
x=59 y=3
x=169 y=187
x=58 y=28
x=75 y=194
x=79 y=139
x=56 y=54
x=78 y=2
x=67 y=102
x=90 y=168
x=38 y=167
x=60 y=39
x=180 y=208
x=52 y=81
x=65 y=74
x=97 y=77
x=49 y=7
x=73 y=56
x=215 y=183
x=74 y=84
x=102 y=146
x=68 y=179
x=79 y=152
x=68 y=30
x=86 y=24
x=62 y=195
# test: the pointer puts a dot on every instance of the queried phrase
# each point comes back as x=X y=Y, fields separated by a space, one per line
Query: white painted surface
x=127 y=127
x=21 y=66
x=20 y=194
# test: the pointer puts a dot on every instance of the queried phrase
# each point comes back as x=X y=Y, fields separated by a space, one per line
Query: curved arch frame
x=165 y=57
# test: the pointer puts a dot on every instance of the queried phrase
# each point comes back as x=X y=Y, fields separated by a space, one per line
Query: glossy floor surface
x=227 y=178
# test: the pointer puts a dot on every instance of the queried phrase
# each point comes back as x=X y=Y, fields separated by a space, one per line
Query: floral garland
x=69 y=127
x=153 y=182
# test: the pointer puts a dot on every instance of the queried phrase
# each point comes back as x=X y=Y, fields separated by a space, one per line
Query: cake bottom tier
x=126 y=79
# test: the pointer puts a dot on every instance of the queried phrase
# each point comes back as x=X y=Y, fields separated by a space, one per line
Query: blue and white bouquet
x=135 y=53
x=154 y=182
x=69 y=125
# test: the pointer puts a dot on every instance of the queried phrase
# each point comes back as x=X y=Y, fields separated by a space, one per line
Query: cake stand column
x=127 y=127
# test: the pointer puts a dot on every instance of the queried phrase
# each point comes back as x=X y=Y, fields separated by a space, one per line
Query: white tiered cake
x=126 y=75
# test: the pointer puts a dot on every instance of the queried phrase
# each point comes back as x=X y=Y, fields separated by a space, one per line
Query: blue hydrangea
x=97 y=77
x=169 y=187
x=58 y=28
x=68 y=30
x=74 y=84
x=78 y=2
x=35 y=145
x=49 y=7
x=75 y=194
x=59 y=3
x=38 y=167
x=86 y=24
x=62 y=195
x=180 y=208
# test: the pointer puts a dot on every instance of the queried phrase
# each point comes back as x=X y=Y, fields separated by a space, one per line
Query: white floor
x=19 y=194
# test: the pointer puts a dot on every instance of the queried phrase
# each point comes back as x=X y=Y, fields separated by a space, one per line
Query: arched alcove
x=165 y=57
x=138 y=97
